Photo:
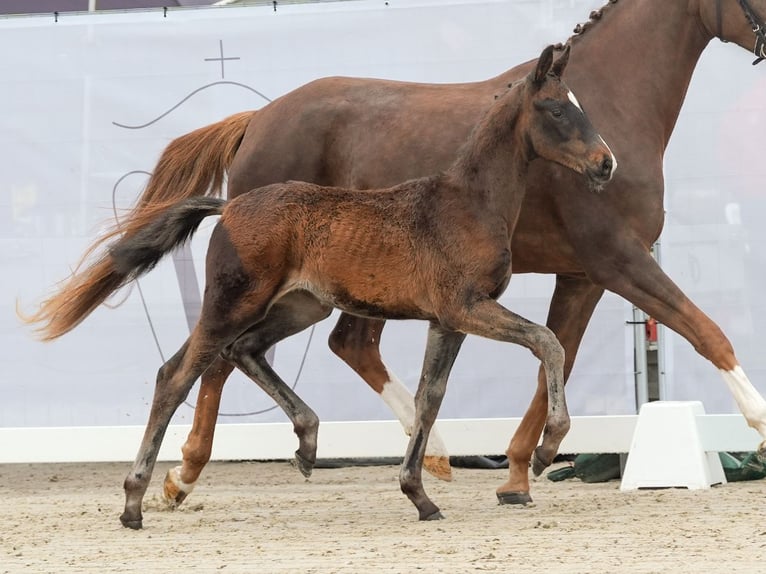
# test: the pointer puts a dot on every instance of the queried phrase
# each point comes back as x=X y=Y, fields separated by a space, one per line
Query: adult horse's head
x=738 y=21
x=557 y=127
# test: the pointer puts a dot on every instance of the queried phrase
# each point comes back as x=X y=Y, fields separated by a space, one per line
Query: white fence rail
x=369 y=439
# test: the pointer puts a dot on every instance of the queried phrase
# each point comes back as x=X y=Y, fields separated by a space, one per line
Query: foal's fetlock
x=541 y=460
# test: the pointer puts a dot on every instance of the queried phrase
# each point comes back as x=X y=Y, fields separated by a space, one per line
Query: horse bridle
x=753 y=19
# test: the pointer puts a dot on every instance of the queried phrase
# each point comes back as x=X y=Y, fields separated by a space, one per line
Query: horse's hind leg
x=180 y=480
x=356 y=340
x=174 y=380
x=572 y=305
x=441 y=350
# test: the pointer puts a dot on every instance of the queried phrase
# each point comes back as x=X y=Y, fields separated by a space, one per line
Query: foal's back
x=367 y=252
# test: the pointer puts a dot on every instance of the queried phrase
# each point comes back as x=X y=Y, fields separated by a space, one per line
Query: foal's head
x=557 y=128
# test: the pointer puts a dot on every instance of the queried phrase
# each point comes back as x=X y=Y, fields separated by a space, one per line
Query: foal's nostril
x=606 y=166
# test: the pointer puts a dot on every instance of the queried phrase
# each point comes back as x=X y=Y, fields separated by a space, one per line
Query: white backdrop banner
x=90 y=101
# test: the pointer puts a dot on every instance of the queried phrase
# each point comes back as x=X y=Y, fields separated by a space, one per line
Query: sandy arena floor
x=264 y=517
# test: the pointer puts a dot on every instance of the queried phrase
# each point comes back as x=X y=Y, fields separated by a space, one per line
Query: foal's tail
x=134 y=255
x=192 y=165
x=126 y=259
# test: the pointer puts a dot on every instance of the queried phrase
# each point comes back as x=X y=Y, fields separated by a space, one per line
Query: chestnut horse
x=435 y=248
x=631 y=68
x=330 y=132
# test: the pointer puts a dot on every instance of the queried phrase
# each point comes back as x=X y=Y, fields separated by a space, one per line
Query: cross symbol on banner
x=221 y=59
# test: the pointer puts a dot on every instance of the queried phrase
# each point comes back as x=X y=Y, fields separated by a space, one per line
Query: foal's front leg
x=487 y=318
x=356 y=340
x=572 y=306
x=441 y=350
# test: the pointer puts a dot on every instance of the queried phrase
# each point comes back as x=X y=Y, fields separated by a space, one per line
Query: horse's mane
x=580 y=29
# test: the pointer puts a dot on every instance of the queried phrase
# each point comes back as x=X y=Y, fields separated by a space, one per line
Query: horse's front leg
x=441 y=350
x=646 y=285
x=180 y=480
x=572 y=305
x=356 y=340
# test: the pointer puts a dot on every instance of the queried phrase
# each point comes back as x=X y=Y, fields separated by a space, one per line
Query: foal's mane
x=580 y=29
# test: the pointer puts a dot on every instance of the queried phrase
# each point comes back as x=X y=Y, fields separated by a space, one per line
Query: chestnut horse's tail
x=192 y=165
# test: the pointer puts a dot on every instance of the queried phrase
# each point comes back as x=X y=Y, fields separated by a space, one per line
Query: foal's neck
x=492 y=165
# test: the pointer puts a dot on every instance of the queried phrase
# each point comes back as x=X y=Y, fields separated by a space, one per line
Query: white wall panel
x=67 y=164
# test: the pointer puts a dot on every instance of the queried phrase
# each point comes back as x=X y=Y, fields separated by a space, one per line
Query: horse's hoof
x=761 y=452
x=538 y=464
x=438 y=466
x=132 y=523
x=305 y=465
x=434 y=516
x=512 y=497
x=174 y=490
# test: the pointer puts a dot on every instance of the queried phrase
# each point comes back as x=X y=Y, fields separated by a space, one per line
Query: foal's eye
x=556 y=112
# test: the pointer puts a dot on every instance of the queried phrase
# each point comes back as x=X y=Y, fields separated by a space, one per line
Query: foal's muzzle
x=599 y=175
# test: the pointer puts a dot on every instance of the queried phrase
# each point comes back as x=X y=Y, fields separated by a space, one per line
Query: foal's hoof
x=438 y=466
x=132 y=523
x=511 y=497
x=434 y=516
x=538 y=464
x=305 y=465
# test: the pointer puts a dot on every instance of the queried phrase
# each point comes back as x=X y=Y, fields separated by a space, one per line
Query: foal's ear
x=559 y=65
x=543 y=65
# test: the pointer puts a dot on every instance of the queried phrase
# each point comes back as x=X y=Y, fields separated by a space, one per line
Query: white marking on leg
x=749 y=400
x=175 y=477
x=402 y=402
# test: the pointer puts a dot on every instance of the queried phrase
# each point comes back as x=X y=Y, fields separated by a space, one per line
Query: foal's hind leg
x=572 y=305
x=174 y=380
x=289 y=316
x=356 y=340
x=292 y=314
x=441 y=350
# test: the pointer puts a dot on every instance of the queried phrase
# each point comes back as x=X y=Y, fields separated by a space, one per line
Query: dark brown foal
x=436 y=249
